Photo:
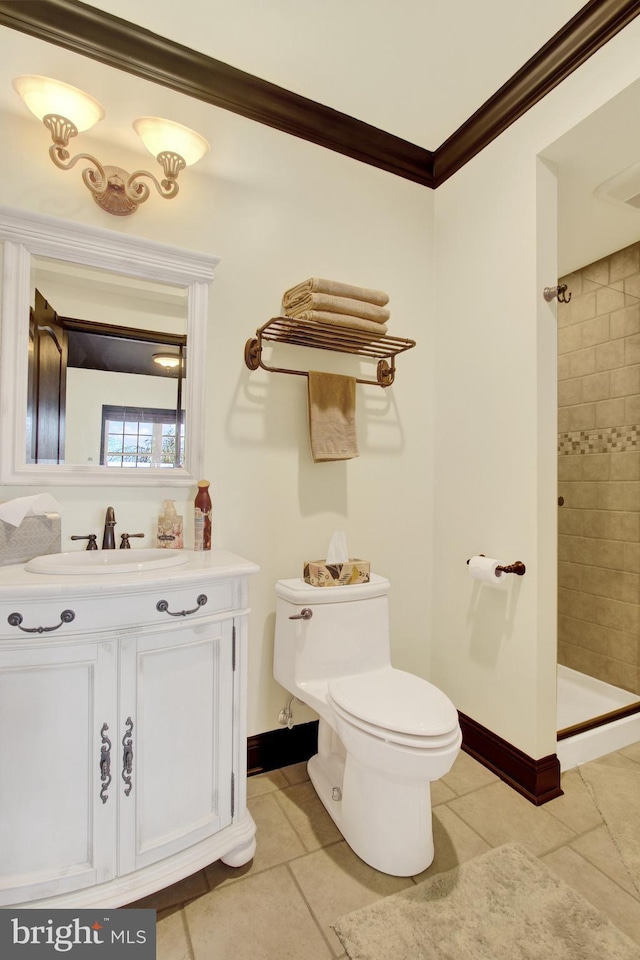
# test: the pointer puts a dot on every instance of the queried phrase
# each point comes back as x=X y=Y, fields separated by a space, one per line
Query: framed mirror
x=102 y=356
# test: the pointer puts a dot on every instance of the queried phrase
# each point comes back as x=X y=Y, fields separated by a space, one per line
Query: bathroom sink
x=99 y=562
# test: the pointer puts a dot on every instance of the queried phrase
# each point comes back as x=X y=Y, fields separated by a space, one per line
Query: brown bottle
x=202 y=517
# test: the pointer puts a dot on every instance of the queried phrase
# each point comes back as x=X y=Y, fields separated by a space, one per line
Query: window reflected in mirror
x=141 y=438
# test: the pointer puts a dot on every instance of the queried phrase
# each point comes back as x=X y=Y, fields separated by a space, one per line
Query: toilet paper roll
x=484 y=568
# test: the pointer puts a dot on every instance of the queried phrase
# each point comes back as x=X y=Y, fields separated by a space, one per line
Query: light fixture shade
x=44 y=95
x=160 y=136
x=166 y=360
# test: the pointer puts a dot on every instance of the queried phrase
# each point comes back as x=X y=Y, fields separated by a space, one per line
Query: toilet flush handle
x=305 y=614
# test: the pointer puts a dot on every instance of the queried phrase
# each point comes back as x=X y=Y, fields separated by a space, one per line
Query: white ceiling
x=415 y=68
x=591 y=226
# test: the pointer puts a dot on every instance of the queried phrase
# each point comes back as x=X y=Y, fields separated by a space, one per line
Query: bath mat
x=503 y=905
x=616 y=792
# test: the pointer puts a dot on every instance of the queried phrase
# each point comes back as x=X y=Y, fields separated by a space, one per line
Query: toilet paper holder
x=518 y=567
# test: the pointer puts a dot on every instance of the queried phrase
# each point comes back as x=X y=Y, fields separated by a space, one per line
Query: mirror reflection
x=106 y=369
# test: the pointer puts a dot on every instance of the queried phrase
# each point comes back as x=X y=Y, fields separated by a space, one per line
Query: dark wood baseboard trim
x=280 y=748
x=537 y=780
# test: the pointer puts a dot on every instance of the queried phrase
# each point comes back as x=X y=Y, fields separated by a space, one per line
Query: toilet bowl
x=384 y=734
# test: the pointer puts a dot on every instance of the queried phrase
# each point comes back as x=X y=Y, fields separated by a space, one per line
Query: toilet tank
x=348 y=631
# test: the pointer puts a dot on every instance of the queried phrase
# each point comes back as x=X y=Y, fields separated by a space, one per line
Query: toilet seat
x=396 y=706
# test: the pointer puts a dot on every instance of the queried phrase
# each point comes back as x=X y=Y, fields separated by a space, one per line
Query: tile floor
x=280 y=906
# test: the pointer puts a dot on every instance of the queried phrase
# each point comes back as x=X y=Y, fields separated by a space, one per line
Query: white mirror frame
x=26 y=235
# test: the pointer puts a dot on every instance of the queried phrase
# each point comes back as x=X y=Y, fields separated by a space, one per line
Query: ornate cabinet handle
x=162 y=606
x=15 y=619
x=127 y=756
x=105 y=763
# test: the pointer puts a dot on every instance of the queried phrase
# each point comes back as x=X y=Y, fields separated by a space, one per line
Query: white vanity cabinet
x=56 y=836
x=178 y=685
x=122 y=730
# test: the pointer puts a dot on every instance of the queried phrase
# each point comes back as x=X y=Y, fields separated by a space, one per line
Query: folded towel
x=347 y=305
x=335 y=289
x=343 y=320
x=332 y=417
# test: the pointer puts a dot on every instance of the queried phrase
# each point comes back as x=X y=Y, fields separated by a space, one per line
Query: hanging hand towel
x=335 y=289
x=332 y=417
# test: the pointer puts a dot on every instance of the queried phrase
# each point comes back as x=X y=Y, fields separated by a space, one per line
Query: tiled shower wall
x=599 y=470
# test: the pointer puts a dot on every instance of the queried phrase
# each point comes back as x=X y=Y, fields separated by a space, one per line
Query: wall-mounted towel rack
x=326 y=336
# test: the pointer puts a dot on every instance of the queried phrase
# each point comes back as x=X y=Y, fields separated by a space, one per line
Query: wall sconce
x=65 y=111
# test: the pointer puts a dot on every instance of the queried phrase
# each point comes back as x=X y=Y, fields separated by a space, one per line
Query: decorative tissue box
x=319 y=573
x=35 y=536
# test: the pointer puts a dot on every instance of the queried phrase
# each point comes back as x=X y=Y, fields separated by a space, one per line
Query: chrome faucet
x=109 y=538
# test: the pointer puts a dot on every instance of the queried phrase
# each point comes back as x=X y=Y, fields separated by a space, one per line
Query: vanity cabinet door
x=57 y=813
x=176 y=709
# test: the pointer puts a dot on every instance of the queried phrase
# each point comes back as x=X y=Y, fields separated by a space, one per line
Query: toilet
x=383 y=735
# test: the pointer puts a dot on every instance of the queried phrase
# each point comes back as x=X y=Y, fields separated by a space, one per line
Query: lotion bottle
x=170 y=528
x=202 y=517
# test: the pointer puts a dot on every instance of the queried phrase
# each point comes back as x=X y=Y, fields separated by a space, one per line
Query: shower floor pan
x=582 y=698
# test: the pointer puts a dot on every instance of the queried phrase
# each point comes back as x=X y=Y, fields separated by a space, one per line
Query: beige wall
x=276 y=210
x=599 y=470
x=496 y=412
x=459 y=457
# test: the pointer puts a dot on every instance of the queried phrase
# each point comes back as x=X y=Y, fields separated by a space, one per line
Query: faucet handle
x=124 y=540
x=91 y=537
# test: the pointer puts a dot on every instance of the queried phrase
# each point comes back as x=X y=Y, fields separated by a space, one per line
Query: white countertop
x=201 y=567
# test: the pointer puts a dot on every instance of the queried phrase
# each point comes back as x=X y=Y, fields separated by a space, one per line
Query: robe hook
x=550 y=293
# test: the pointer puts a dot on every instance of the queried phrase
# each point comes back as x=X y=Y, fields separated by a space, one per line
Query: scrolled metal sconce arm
x=172 y=164
x=114 y=190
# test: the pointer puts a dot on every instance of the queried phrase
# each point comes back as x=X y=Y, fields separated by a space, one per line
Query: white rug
x=503 y=905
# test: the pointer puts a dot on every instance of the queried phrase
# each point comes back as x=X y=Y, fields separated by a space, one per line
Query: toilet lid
x=396 y=701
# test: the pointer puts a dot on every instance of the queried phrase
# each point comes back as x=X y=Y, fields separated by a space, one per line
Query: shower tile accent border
x=610 y=440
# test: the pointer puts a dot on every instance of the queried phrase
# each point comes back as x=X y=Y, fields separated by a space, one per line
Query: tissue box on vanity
x=320 y=573
x=35 y=536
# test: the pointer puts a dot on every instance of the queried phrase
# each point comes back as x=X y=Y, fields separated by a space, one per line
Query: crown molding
x=118 y=43
x=596 y=23
x=101 y=36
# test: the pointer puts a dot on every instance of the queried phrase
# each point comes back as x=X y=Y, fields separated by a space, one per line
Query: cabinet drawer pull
x=15 y=619
x=162 y=606
x=105 y=763
x=127 y=756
